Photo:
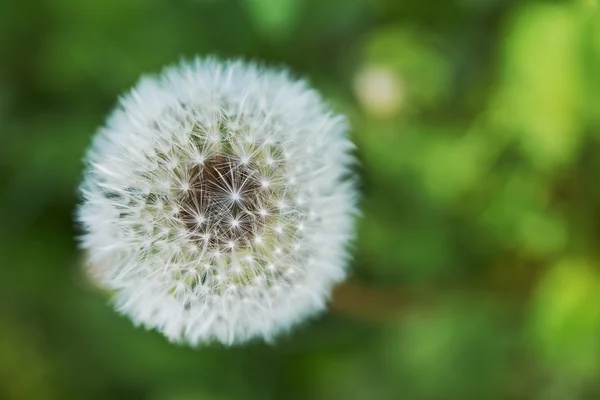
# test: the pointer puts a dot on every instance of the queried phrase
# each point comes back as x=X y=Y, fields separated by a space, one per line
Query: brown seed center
x=221 y=207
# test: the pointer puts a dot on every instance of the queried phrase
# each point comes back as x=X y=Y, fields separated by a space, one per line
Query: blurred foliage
x=478 y=135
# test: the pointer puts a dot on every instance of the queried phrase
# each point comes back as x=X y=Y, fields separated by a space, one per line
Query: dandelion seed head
x=218 y=202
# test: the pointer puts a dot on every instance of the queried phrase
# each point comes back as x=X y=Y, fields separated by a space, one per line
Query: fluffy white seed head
x=217 y=203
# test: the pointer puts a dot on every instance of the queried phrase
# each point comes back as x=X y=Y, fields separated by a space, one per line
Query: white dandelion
x=218 y=202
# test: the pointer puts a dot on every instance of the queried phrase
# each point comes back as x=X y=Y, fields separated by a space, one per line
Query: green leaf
x=274 y=18
x=539 y=101
x=565 y=321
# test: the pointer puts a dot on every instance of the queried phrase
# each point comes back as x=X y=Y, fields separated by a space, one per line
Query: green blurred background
x=477 y=262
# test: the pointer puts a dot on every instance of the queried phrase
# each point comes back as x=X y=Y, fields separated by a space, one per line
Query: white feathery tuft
x=218 y=202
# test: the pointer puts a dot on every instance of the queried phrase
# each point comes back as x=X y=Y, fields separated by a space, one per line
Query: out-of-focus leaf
x=428 y=355
x=347 y=376
x=380 y=91
x=425 y=74
x=24 y=371
x=451 y=166
x=591 y=15
x=274 y=18
x=565 y=323
x=539 y=100
x=515 y=214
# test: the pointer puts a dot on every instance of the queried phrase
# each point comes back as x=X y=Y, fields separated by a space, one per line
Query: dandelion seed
x=206 y=197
